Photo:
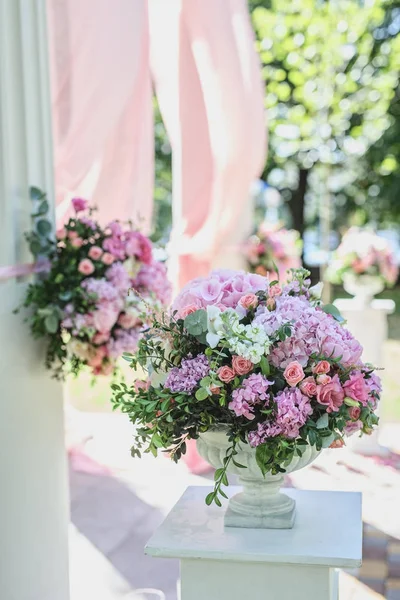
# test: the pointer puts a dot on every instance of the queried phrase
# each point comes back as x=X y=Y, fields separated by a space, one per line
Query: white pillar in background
x=33 y=476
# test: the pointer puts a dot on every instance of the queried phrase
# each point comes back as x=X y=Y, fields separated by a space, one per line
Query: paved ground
x=117 y=502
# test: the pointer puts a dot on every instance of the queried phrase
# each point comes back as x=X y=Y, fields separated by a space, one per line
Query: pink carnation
x=356 y=387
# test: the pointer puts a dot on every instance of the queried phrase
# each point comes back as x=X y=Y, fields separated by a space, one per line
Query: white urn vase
x=363 y=287
x=260 y=505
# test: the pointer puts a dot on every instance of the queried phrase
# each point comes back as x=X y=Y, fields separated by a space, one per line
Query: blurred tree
x=330 y=82
x=162 y=217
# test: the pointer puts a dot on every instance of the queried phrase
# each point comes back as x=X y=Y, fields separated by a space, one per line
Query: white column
x=33 y=498
x=231 y=563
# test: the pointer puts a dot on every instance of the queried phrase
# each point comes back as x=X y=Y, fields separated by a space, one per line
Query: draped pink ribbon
x=24 y=269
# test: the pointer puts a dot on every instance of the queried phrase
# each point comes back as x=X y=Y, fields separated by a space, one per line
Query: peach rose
x=241 y=366
x=271 y=303
x=261 y=271
x=100 y=338
x=95 y=252
x=107 y=258
x=86 y=267
x=248 y=301
x=275 y=290
x=293 y=373
x=226 y=374
x=141 y=385
x=77 y=242
x=72 y=234
x=188 y=310
x=128 y=321
x=308 y=387
x=215 y=389
x=339 y=443
x=355 y=412
x=321 y=368
x=61 y=233
x=323 y=379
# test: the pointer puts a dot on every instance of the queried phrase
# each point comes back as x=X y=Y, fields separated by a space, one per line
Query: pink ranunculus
x=331 y=395
x=188 y=310
x=294 y=373
x=275 y=290
x=107 y=258
x=321 y=368
x=226 y=374
x=95 y=252
x=241 y=366
x=308 y=387
x=61 y=233
x=248 y=301
x=271 y=303
x=79 y=204
x=339 y=443
x=86 y=267
x=323 y=379
x=354 y=412
x=101 y=338
x=105 y=318
x=128 y=321
x=356 y=387
x=77 y=242
x=72 y=235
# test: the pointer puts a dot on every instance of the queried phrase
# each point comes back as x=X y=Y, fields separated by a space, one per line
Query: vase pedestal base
x=279 y=513
x=232 y=563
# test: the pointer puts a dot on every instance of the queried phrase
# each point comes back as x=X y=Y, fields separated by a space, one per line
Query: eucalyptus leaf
x=196 y=322
x=51 y=323
x=331 y=309
x=43 y=227
x=36 y=193
x=201 y=394
x=323 y=421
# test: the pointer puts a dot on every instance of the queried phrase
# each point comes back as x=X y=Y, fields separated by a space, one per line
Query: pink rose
x=275 y=290
x=97 y=359
x=128 y=321
x=357 y=388
x=100 y=338
x=331 y=395
x=104 y=369
x=226 y=374
x=339 y=443
x=271 y=303
x=248 y=301
x=79 y=204
x=354 y=413
x=61 y=233
x=323 y=379
x=308 y=387
x=107 y=258
x=188 y=310
x=95 y=252
x=293 y=373
x=72 y=234
x=86 y=267
x=241 y=366
x=215 y=389
x=352 y=427
x=77 y=242
x=104 y=319
x=321 y=368
x=141 y=385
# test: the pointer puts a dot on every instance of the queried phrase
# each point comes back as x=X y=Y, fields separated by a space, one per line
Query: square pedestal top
x=327 y=532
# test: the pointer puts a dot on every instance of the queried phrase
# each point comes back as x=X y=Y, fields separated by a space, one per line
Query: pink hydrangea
x=223 y=287
x=137 y=244
x=119 y=277
x=253 y=391
x=153 y=278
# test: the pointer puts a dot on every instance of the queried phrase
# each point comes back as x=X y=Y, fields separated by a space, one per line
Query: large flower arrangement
x=273 y=247
x=269 y=364
x=92 y=304
x=363 y=252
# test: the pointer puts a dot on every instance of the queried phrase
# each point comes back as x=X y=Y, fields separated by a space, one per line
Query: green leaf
x=331 y=309
x=265 y=368
x=35 y=193
x=205 y=382
x=209 y=498
x=323 y=421
x=43 y=208
x=43 y=227
x=65 y=296
x=262 y=456
x=327 y=441
x=196 y=323
x=51 y=323
x=238 y=465
x=351 y=402
x=201 y=394
x=312 y=437
x=35 y=247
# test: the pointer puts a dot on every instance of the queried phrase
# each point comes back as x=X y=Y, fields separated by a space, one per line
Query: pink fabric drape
x=209 y=87
x=102 y=108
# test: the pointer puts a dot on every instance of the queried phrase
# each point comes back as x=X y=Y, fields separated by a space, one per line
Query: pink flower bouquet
x=92 y=304
x=363 y=252
x=267 y=363
x=273 y=247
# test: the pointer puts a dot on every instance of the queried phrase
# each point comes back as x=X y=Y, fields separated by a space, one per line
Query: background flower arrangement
x=363 y=252
x=271 y=247
x=92 y=304
x=266 y=363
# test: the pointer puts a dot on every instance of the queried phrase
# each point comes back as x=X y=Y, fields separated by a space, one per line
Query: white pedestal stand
x=369 y=326
x=220 y=563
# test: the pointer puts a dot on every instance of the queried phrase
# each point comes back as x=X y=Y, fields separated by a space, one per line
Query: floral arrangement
x=92 y=304
x=269 y=364
x=363 y=252
x=272 y=248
